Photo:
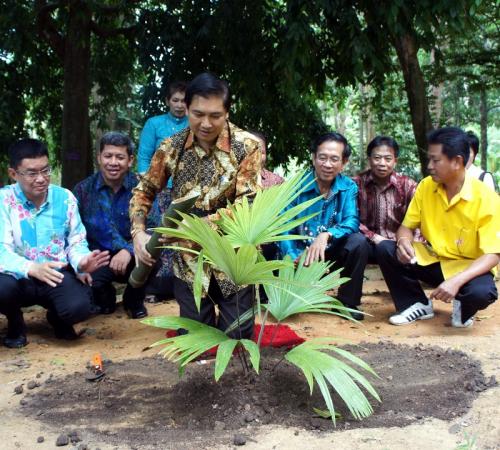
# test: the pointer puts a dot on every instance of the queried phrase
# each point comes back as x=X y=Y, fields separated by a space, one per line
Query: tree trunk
x=406 y=49
x=437 y=97
x=483 y=109
x=76 y=148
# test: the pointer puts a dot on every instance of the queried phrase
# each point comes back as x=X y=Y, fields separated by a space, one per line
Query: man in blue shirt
x=103 y=202
x=332 y=234
x=42 y=246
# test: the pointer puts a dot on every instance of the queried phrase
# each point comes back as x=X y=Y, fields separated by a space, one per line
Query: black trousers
x=350 y=252
x=229 y=307
x=405 y=289
x=69 y=301
x=104 y=293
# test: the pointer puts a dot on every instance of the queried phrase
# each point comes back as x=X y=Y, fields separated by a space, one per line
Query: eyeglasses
x=322 y=159
x=33 y=175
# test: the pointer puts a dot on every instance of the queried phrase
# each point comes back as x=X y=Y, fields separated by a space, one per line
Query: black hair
x=26 y=148
x=117 y=139
x=175 y=86
x=208 y=85
x=378 y=141
x=473 y=142
x=454 y=142
x=332 y=136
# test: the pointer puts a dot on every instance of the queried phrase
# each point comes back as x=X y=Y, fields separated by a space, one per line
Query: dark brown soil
x=142 y=403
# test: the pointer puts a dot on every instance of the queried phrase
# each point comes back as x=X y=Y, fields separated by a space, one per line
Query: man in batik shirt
x=222 y=164
x=383 y=195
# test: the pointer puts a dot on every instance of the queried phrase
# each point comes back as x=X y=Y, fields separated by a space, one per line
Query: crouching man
x=42 y=247
x=458 y=217
x=103 y=200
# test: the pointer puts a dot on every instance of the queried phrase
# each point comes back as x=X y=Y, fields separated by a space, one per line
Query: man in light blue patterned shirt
x=42 y=247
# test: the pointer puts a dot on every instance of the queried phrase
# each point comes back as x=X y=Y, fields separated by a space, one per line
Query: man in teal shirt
x=333 y=233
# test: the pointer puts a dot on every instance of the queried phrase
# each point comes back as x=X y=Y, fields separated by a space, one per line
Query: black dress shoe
x=15 y=342
x=108 y=309
x=356 y=314
x=62 y=330
x=136 y=312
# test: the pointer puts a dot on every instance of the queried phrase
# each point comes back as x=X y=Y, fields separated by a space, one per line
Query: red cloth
x=281 y=336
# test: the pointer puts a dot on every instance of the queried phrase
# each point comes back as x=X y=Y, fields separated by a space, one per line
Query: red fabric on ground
x=274 y=335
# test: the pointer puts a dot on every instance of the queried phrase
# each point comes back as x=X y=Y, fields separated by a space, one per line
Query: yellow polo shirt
x=458 y=232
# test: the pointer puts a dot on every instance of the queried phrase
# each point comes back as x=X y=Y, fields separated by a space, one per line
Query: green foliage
x=200 y=338
x=293 y=291
x=304 y=290
x=325 y=369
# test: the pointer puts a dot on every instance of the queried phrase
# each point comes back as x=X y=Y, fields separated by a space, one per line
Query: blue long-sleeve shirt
x=105 y=213
x=155 y=131
x=53 y=232
x=338 y=214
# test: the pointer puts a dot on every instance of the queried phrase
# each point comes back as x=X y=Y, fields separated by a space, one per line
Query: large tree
x=69 y=27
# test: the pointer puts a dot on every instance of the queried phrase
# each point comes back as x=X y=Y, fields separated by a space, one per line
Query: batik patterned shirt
x=105 y=213
x=54 y=232
x=227 y=173
x=382 y=209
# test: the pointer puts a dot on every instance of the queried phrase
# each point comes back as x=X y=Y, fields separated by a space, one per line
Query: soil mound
x=143 y=403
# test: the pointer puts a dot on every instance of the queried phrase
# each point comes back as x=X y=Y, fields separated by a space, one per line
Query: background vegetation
x=71 y=69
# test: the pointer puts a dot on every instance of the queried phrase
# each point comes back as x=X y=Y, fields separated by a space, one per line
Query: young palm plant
x=234 y=248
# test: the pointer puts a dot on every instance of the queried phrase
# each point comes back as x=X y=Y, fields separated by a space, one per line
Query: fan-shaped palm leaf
x=267 y=217
x=326 y=370
x=303 y=290
x=200 y=338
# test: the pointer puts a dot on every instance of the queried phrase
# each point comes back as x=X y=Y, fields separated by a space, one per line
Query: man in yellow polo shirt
x=459 y=218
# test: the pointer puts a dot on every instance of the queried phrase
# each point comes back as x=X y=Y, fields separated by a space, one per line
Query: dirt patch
x=143 y=403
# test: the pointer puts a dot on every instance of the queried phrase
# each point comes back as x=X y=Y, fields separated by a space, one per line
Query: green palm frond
x=303 y=290
x=200 y=338
x=327 y=370
x=266 y=218
x=240 y=265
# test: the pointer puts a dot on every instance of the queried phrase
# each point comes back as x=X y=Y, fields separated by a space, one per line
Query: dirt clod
x=239 y=439
x=62 y=440
x=40 y=439
x=32 y=385
x=19 y=389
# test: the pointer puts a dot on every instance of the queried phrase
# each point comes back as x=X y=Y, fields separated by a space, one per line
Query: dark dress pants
x=405 y=289
x=229 y=307
x=350 y=252
x=104 y=293
x=68 y=302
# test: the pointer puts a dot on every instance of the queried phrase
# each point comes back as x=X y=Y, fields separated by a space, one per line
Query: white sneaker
x=456 y=316
x=418 y=311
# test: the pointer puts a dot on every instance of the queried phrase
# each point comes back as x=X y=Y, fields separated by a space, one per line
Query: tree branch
x=46 y=26
x=127 y=32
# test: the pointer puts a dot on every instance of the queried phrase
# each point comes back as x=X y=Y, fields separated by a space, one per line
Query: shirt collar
x=175 y=119
x=127 y=182
x=466 y=192
x=223 y=141
x=25 y=201
x=340 y=183
x=392 y=179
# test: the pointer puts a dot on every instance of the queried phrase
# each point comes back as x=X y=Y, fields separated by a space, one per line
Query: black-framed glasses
x=33 y=175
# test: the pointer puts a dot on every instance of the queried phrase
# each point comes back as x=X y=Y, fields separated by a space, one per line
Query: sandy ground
x=118 y=338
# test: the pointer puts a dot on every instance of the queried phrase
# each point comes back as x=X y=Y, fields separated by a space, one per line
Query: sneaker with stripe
x=417 y=311
x=456 y=316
